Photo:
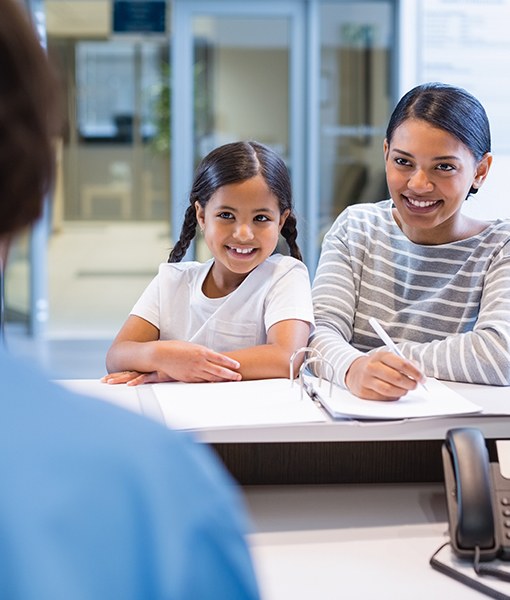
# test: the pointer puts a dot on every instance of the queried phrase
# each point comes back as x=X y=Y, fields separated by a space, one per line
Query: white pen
x=388 y=341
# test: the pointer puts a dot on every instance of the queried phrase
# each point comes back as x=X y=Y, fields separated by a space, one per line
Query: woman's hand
x=382 y=375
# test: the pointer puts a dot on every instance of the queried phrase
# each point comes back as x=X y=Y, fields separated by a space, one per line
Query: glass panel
x=355 y=103
x=110 y=219
x=241 y=81
x=17 y=293
x=241 y=84
x=118 y=88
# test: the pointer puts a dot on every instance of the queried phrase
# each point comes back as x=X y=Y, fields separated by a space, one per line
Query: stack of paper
x=235 y=404
x=437 y=401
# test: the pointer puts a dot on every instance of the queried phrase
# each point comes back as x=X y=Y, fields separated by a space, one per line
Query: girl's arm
x=137 y=348
x=272 y=360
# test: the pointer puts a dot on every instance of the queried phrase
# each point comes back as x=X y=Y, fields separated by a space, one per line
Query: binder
x=303 y=398
x=437 y=400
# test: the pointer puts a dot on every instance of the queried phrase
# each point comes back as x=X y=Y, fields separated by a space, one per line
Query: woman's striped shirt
x=446 y=306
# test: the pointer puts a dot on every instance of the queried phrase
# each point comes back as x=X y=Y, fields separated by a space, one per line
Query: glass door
x=110 y=221
x=107 y=227
x=356 y=99
x=239 y=68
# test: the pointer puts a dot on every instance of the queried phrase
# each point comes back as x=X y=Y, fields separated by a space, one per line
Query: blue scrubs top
x=98 y=503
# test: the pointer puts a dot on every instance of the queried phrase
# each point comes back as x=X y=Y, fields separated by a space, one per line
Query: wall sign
x=139 y=16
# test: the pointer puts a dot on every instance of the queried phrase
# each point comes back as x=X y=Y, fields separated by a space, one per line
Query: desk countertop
x=353 y=542
x=142 y=399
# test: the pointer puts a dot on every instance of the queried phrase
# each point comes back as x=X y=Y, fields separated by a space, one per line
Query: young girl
x=437 y=280
x=243 y=313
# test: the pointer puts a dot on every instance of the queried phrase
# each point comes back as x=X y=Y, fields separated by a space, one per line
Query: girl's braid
x=289 y=232
x=188 y=231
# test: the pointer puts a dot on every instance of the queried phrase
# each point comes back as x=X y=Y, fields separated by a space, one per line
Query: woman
x=437 y=280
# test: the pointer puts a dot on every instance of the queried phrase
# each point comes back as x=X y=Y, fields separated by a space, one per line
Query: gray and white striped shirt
x=446 y=306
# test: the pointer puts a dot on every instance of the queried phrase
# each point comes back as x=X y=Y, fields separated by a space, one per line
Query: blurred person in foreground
x=96 y=502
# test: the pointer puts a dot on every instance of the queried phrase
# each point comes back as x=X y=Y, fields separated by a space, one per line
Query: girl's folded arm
x=137 y=348
x=129 y=350
x=271 y=360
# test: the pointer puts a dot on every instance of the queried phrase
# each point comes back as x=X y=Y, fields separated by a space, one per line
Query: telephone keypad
x=502 y=507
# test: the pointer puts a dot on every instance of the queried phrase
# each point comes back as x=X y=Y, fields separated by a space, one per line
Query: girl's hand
x=193 y=363
x=382 y=375
x=135 y=378
x=179 y=361
x=120 y=377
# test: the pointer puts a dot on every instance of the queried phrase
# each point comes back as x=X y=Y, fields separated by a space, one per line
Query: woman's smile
x=420 y=205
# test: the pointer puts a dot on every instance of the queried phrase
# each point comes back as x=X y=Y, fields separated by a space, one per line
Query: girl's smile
x=240 y=252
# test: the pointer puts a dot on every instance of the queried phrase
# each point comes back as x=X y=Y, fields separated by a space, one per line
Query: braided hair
x=232 y=163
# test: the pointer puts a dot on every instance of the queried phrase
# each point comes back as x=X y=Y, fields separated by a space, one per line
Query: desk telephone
x=478 y=496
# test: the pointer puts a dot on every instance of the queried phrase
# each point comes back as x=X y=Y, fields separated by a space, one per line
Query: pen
x=388 y=341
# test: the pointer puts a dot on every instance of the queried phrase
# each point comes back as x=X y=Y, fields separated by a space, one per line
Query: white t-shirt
x=276 y=290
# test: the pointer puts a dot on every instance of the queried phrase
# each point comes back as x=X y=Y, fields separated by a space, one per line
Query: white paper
x=235 y=404
x=437 y=401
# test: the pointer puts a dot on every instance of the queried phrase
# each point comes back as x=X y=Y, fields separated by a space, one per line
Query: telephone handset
x=478 y=497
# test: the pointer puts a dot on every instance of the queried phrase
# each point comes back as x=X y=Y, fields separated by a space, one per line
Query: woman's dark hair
x=233 y=163
x=446 y=107
x=28 y=120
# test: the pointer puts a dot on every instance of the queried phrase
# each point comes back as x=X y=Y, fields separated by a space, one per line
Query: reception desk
x=354 y=540
x=330 y=451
